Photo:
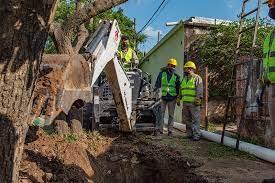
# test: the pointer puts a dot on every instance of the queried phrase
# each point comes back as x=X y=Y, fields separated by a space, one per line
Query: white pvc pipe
x=260 y=152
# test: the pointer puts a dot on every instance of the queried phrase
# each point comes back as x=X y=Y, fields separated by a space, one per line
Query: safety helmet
x=172 y=61
x=190 y=64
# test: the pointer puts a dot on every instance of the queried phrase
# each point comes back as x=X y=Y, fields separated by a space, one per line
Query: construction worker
x=191 y=94
x=169 y=83
x=267 y=78
x=268 y=75
x=127 y=55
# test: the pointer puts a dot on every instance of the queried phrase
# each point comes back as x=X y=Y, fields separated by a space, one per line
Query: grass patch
x=211 y=127
x=218 y=151
x=71 y=138
x=202 y=149
x=96 y=140
x=259 y=141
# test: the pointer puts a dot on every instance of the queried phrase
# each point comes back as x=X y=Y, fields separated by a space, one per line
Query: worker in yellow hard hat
x=191 y=94
x=267 y=75
x=169 y=83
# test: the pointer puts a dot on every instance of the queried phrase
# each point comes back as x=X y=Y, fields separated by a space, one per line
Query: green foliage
x=49 y=47
x=216 y=50
x=66 y=9
x=71 y=138
x=211 y=127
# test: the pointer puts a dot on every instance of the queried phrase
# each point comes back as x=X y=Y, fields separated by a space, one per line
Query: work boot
x=170 y=133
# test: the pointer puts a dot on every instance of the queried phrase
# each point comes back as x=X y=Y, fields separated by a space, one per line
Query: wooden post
x=206 y=98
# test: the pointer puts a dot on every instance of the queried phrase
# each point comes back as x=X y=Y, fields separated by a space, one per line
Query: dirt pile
x=97 y=158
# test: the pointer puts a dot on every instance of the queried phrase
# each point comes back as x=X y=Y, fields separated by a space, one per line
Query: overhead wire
x=168 y=1
x=151 y=17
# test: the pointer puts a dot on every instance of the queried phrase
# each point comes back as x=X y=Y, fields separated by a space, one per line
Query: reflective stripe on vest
x=269 y=57
x=168 y=86
x=188 y=90
x=126 y=58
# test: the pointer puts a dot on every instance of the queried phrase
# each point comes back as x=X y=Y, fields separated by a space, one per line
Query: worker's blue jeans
x=171 y=109
x=191 y=117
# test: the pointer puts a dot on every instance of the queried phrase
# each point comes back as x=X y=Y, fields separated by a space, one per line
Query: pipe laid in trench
x=260 y=152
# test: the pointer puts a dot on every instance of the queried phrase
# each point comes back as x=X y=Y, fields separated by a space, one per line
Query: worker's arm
x=178 y=85
x=199 y=87
x=135 y=59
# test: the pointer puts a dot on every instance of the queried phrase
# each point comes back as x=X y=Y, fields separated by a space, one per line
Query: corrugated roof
x=209 y=21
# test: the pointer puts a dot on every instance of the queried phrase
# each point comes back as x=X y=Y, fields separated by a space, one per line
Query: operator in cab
x=127 y=55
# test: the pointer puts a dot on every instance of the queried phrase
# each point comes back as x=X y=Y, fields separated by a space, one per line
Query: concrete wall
x=172 y=48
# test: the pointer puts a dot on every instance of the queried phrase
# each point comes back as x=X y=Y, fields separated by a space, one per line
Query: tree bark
x=61 y=33
x=22 y=35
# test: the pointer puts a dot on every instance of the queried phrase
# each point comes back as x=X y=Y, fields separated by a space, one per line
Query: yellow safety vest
x=188 y=90
x=127 y=57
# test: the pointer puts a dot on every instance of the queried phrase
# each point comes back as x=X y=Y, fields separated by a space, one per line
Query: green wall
x=171 y=48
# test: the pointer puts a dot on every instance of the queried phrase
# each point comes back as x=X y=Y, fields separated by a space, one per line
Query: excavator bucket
x=64 y=80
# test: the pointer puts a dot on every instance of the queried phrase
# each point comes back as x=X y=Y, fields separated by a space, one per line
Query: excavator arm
x=66 y=80
x=103 y=46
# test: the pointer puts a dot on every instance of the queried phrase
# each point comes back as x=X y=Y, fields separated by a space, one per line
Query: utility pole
x=206 y=98
x=135 y=39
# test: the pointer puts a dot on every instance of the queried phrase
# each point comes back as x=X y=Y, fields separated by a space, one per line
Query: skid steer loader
x=72 y=80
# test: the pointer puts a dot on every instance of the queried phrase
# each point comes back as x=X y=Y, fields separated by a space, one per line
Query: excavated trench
x=126 y=159
x=129 y=160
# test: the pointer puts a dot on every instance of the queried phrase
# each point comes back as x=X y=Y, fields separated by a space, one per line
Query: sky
x=175 y=10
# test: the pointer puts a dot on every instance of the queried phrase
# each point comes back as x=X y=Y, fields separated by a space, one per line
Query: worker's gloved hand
x=197 y=101
x=178 y=101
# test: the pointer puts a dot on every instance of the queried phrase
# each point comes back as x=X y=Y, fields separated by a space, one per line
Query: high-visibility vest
x=269 y=57
x=168 y=87
x=127 y=57
x=188 y=90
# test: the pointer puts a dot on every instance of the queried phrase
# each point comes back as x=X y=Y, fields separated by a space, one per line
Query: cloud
x=151 y=32
x=229 y=3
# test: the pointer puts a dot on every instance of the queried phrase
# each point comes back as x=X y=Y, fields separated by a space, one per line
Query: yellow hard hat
x=173 y=61
x=190 y=64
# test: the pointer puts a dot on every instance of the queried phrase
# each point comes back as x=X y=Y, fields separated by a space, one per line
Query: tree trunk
x=23 y=32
